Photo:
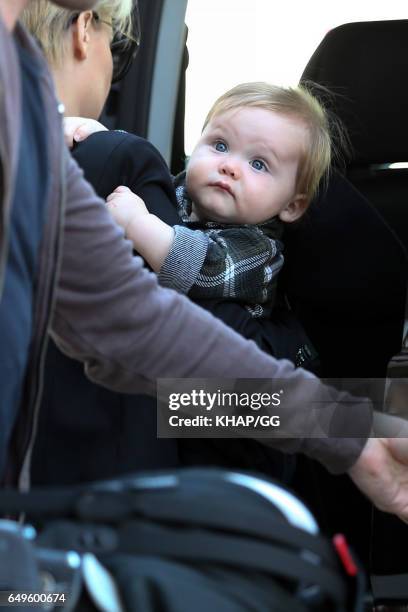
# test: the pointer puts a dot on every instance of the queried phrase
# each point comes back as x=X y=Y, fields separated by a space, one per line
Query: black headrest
x=341 y=255
x=345 y=275
x=367 y=65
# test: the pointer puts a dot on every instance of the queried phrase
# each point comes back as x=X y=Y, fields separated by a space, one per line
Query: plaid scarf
x=241 y=262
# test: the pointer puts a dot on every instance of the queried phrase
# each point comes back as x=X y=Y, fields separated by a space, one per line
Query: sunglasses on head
x=124 y=48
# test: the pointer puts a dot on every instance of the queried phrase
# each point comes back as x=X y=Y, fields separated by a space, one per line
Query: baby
x=261 y=156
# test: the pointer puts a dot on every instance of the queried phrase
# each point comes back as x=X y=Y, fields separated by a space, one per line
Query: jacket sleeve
x=237 y=263
x=113 y=158
x=111 y=314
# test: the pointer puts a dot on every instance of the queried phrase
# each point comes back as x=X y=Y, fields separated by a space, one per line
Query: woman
x=87 y=432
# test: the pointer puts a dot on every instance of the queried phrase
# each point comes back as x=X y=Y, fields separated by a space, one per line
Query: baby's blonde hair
x=48 y=22
x=296 y=102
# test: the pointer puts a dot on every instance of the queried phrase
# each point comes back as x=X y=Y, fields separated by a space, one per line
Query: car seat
x=346 y=261
x=364 y=65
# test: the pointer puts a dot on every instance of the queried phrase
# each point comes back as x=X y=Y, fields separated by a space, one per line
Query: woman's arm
x=113 y=158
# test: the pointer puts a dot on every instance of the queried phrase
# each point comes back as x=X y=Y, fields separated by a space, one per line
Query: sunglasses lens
x=124 y=49
x=123 y=54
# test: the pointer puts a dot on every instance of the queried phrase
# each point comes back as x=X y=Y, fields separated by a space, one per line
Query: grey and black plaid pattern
x=236 y=262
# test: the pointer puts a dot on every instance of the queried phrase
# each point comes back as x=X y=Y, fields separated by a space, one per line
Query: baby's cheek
x=193 y=177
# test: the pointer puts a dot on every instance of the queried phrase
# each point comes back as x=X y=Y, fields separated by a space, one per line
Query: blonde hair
x=48 y=22
x=295 y=102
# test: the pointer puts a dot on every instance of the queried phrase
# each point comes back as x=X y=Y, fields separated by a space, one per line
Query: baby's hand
x=79 y=128
x=150 y=236
x=125 y=206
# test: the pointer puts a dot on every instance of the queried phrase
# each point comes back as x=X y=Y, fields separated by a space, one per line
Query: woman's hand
x=79 y=128
x=381 y=472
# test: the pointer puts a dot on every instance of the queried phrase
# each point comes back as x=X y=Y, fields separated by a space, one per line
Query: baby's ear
x=295 y=209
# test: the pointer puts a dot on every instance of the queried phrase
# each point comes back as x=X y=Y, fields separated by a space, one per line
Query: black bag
x=194 y=539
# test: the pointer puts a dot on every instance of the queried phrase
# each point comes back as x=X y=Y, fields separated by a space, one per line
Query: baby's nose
x=230 y=169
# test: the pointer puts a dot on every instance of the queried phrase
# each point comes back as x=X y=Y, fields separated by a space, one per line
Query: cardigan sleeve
x=239 y=263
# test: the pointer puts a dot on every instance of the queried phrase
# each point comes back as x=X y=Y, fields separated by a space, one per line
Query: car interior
x=350 y=292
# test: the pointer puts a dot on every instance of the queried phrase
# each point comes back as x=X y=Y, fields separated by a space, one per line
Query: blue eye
x=258 y=164
x=220 y=146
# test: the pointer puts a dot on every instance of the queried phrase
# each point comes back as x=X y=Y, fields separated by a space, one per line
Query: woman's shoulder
x=105 y=143
x=117 y=157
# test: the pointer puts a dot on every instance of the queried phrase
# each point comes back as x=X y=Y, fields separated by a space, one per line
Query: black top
x=109 y=159
x=87 y=432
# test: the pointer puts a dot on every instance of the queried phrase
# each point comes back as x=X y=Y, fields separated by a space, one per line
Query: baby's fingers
x=121 y=189
x=118 y=192
x=71 y=124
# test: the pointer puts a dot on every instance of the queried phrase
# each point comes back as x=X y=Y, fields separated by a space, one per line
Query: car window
x=232 y=41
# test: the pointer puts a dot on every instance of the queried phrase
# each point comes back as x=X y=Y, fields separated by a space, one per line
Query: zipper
x=4 y=194
x=48 y=307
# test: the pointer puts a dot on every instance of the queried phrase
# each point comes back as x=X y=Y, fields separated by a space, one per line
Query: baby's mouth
x=222 y=185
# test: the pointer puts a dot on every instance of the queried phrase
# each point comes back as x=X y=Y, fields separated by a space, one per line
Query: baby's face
x=244 y=167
